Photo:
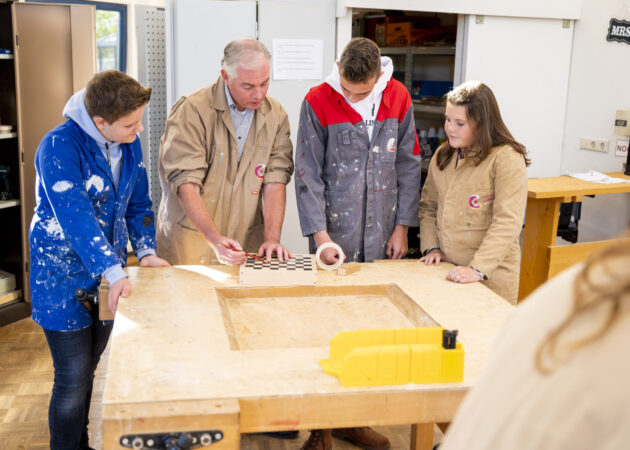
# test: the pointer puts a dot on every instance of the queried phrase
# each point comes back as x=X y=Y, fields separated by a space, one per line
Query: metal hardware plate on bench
x=171 y=441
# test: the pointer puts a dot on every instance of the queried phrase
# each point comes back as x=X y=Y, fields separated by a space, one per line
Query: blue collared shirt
x=242 y=121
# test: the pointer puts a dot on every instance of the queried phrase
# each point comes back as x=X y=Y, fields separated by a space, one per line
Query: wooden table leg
x=421 y=436
x=541 y=227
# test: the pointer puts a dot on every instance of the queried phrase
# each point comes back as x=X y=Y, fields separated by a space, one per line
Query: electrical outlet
x=596 y=145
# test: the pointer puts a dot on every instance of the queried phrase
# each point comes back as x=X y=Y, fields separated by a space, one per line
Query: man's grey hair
x=245 y=53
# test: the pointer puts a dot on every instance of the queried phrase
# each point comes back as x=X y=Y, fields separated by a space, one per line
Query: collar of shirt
x=232 y=105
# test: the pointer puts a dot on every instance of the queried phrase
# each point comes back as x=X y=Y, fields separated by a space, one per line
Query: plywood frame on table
x=174 y=326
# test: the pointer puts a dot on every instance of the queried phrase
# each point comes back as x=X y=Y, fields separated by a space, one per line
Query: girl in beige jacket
x=473 y=201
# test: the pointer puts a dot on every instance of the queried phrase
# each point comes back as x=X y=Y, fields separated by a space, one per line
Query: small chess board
x=299 y=270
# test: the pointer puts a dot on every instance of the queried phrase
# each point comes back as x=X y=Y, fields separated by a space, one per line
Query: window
x=111 y=33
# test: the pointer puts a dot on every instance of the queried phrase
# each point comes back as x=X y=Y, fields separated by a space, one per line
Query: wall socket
x=596 y=145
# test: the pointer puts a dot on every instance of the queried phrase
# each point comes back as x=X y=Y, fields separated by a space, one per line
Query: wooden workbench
x=192 y=350
x=541 y=257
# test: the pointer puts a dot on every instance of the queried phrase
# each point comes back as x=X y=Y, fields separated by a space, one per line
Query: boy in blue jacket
x=92 y=197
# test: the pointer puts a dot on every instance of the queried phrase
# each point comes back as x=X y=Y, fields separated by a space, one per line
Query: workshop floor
x=26 y=378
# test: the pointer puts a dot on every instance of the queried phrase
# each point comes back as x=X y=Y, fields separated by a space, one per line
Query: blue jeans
x=75 y=356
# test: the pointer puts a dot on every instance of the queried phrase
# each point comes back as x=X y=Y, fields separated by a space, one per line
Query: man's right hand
x=330 y=255
x=434 y=257
x=228 y=250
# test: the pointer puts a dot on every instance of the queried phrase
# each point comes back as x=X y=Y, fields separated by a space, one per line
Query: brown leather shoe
x=364 y=437
x=318 y=440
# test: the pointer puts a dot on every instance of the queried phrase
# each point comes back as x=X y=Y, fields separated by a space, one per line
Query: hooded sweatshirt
x=368 y=107
x=75 y=109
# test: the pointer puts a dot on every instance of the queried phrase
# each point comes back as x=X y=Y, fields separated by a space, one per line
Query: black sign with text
x=619 y=31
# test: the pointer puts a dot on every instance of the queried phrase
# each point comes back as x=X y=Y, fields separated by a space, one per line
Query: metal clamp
x=87 y=299
x=172 y=440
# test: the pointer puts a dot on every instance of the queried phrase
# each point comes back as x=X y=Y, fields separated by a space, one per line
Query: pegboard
x=152 y=72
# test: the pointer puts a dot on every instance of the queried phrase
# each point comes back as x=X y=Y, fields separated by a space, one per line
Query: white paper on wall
x=297 y=59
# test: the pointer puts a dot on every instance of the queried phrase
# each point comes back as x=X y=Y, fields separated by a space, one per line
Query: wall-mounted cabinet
x=47 y=53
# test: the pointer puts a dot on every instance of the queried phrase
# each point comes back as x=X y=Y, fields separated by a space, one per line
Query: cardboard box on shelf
x=380 y=32
x=433 y=36
x=398 y=34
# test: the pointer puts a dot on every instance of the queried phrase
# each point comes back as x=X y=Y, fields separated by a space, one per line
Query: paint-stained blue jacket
x=82 y=223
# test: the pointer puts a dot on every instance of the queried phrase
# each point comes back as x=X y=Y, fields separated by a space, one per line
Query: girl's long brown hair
x=485 y=119
x=602 y=285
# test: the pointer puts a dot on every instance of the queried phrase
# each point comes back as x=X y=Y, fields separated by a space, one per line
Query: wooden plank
x=421 y=436
x=348 y=268
x=560 y=257
x=160 y=417
x=350 y=409
x=566 y=186
x=11 y=296
x=541 y=226
x=104 y=312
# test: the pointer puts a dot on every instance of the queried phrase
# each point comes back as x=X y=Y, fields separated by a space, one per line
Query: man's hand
x=271 y=246
x=397 y=245
x=120 y=288
x=463 y=274
x=434 y=257
x=228 y=250
x=153 y=261
x=330 y=255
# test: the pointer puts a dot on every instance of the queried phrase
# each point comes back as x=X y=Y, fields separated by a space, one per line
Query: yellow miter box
x=394 y=356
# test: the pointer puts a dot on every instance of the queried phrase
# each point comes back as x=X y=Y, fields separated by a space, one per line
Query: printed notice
x=621 y=148
x=297 y=59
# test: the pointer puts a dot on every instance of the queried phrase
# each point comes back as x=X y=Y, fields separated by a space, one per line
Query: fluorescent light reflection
x=206 y=271
x=123 y=324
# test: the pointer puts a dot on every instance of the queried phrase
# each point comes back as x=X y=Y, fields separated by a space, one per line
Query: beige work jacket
x=581 y=405
x=199 y=146
x=474 y=214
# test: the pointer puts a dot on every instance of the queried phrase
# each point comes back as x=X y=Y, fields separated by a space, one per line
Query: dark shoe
x=364 y=437
x=283 y=434
x=318 y=440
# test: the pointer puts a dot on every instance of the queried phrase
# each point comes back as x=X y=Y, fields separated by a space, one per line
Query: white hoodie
x=368 y=107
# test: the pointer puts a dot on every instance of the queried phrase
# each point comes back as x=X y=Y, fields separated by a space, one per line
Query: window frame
x=116 y=7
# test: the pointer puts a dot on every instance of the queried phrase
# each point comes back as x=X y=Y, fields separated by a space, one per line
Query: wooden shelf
x=437 y=50
x=8 y=203
x=11 y=297
x=7 y=135
x=435 y=110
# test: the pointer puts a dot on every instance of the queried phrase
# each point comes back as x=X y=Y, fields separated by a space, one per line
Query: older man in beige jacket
x=225 y=160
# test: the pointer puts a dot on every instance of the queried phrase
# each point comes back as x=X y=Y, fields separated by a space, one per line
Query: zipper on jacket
x=109 y=160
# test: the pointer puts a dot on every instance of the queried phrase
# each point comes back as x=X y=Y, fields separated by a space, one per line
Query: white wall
x=598 y=86
x=296 y=19
x=526 y=63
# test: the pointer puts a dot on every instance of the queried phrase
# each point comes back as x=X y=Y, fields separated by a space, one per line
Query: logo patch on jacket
x=259 y=171
x=391 y=145
x=476 y=201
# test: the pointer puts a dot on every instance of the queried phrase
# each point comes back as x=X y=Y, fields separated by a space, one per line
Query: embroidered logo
x=473 y=201
x=391 y=145
x=259 y=171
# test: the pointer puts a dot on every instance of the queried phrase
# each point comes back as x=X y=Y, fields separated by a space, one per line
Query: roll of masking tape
x=323 y=247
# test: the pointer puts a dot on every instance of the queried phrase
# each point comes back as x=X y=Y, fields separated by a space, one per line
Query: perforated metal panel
x=152 y=72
